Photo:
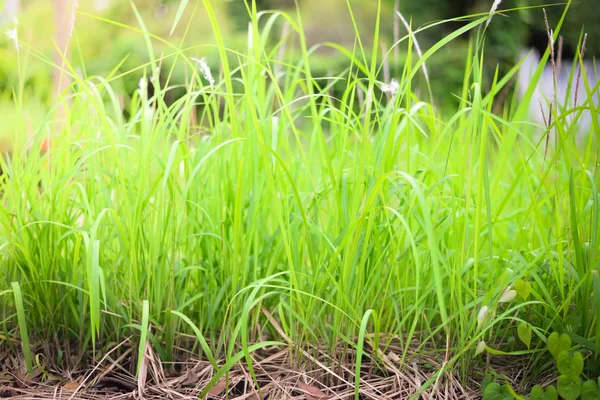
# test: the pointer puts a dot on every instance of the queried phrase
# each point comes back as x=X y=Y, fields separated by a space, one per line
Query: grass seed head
x=205 y=70
x=492 y=11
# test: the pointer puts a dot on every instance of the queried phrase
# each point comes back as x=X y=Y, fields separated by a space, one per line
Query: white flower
x=148 y=113
x=80 y=220
x=142 y=86
x=392 y=88
x=480 y=348
x=508 y=295
x=182 y=169
x=13 y=34
x=156 y=74
x=482 y=316
x=492 y=11
x=369 y=98
x=205 y=69
x=250 y=38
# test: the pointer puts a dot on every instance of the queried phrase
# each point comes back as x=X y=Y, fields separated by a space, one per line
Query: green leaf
x=537 y=393
x=551 y=393
x=569 y=388
x=523 y=288
x=564 y=363
x=568 y=365
x=487 y=379
x=494 y=391
x=577 y=364
x=178 y=16
x=596 y=283
x=558 y=344
x=590 y=390
x=524 y=332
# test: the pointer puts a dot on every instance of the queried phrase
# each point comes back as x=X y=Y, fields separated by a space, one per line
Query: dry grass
x=319 y=376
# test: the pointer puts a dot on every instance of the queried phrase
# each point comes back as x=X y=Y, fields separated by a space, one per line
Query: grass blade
x=22 y=326
x=180 y=10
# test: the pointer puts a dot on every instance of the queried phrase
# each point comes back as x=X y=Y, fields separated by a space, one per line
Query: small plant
x=569 y=385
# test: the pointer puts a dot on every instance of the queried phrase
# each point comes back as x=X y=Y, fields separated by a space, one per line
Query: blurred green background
x=99 y=47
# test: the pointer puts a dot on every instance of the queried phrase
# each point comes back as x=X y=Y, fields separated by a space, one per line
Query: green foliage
x=570 y=365
x=495 y=391
x=263 y=205
x=590 y=390
x=22 y=321
x=558 y=343
x=524 y=331
x=568 y=386
x=538 y=393
x=523 y=288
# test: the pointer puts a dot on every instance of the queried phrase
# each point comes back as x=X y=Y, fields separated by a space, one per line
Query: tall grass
x=347 y=220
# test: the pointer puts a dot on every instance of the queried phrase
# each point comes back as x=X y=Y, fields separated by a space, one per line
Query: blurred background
x=98 y=47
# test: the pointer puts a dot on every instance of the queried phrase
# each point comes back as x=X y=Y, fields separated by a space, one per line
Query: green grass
x=348 y=220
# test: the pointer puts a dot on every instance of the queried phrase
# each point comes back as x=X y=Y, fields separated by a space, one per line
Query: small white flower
x=13 y=34
x=182 y=169
x=508 y=295
x=480 y=348
x=148 y=113
x=205 y=70
x=250 y=38
x=80 y=220
x=101 y=5
x=142 y=86
x=392 y=88
x=156 y=74
x=369 y=98
x=482 y=316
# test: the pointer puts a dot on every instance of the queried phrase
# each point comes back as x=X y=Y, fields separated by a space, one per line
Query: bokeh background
x=99 y=47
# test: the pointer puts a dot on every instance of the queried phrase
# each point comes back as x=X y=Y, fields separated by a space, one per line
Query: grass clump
x=257 y=210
